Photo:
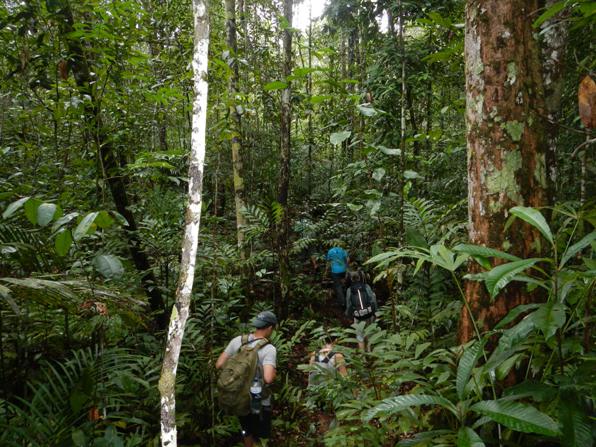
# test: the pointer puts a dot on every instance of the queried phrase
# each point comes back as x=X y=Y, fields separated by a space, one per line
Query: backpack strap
x=245 y=341
x=263 y=341
x=327 y=358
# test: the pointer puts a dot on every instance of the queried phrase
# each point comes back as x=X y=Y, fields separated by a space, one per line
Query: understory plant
x=547 y=344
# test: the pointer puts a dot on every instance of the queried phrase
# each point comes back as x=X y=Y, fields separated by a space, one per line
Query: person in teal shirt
x=339 y=261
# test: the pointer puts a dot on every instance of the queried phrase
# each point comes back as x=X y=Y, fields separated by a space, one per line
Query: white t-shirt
x=267 y=355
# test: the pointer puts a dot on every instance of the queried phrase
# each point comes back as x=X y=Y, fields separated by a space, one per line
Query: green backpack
x=233 y=384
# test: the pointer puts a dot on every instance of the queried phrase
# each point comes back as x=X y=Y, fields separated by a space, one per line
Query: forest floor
x=300 y=426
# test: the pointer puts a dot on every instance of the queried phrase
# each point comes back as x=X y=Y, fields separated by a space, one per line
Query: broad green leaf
x=396 y=404
x=514 y=313
x=84 y=226
x=550 y=12
x=338 y=138
x=388 y=150
x=378 y=174
x=14 y=207
x=502 y=371
x=108 y=265
x=503 y=274
x=466 y=364
x=317 y=99
x=538 y=392
x=374 y=206
x=63 y=221
x=46 y=212
x=275 y=85
x=517 y=416
x=63 y=242
x=410 y=175
x=104 y=220
x=415 y=239
x=31 y=206
x=443 y=257
x=420 y=349
x=367 y=110
x=575 y=424
x=303 y=71
x=466 y=437
x=485 y=252
x=534 y=218
x=354 y=207
x=384 y=256
x=514 y=336
x=439 y=56
x=577 y=247
x=548 y=318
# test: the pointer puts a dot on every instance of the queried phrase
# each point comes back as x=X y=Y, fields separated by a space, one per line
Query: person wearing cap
x=257 y=426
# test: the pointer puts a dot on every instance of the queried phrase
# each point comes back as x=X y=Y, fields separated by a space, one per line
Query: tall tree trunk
x=429 y=100
x=283 y=230
x=402 y=114
x=179 y=315
x=236 y=127
x=109 y=163
x=309 y=96
x=554 y=48
x=506 y=151
x=414 y=124
x=351 y=88
x=155 y=45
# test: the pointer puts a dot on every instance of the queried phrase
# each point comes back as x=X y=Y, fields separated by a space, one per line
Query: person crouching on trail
x=327 y=361
x=245 y=374
x=361 y=302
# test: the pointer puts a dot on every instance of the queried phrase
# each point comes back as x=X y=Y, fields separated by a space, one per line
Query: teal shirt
x=339 y=260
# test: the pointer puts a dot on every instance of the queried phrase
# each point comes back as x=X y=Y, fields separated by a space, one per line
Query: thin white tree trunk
x=167 y=380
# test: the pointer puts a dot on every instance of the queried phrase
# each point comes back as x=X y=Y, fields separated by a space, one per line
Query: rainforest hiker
x=361 y=302
x=326 y=358
x=257 y=423
x=338 y=263
x=328 y=363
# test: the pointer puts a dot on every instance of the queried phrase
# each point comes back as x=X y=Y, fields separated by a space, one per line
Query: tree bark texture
x=555 y=34
x=179 y=315
x=283 y=230
x=236 y=124
x=506 y=150
x=402 y=115
x=110 y=164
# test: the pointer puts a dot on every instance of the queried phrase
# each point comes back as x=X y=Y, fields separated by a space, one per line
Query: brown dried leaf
x=586 y=97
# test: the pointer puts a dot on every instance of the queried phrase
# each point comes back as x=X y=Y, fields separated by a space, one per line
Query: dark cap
x=264 y=319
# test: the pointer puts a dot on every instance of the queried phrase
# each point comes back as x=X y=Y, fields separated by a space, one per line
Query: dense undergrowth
x=81 y=364
x=378 y=163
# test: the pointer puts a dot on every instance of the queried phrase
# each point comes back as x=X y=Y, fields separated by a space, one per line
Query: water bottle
x=255 y=396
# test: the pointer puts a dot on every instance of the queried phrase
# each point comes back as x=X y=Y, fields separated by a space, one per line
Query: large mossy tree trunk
x=283 y=227
x=179 y=315
x=506 y=144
